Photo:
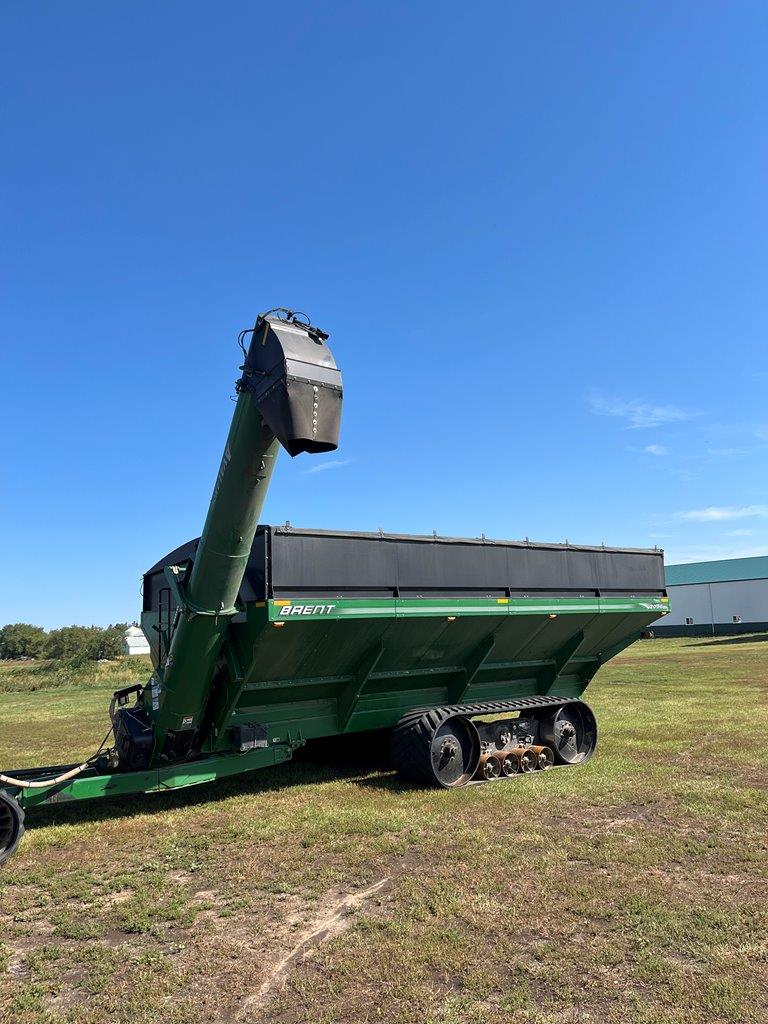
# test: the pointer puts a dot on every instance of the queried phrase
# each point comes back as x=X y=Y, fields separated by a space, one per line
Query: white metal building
x=716 y=598
x=135 y=642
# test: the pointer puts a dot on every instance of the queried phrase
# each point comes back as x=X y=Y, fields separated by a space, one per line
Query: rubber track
x=412 y=736
x=11 y=849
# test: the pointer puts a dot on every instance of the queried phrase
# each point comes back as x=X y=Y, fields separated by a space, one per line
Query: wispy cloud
x=655 y=449
x=636 y=412
x=720 y=513
x=739 y=533
x=321 y=467
x=709 y=552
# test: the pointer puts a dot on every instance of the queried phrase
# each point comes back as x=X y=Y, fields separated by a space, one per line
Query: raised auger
x=289 y=394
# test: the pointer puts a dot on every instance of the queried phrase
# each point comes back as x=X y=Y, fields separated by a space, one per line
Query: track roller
x=544 y=756
x=11 y=825
x=525 y=757
x=490 y=767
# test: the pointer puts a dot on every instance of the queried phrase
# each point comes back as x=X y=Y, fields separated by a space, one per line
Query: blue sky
x=536 y=232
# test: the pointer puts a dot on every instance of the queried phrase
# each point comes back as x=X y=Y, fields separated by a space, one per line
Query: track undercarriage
x=456 y=745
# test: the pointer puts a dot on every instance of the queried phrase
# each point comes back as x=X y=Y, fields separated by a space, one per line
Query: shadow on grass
x=746 y=638
x=362 y=758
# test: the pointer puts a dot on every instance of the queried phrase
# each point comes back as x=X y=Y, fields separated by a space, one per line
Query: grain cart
x=473 y=652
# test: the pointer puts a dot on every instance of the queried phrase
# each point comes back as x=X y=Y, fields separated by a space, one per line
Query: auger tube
x=178 y=690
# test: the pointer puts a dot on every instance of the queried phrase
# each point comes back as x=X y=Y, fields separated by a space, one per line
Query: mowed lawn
x=631 y=890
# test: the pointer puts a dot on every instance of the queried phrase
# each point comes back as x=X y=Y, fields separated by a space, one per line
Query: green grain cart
x=474 y=653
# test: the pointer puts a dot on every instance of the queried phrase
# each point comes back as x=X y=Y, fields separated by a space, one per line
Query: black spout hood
x=295 y=383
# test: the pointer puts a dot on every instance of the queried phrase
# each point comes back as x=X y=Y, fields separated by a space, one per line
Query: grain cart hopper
x=474 y=653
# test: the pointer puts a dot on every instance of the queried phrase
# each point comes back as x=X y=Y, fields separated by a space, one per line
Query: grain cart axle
x=475 y=653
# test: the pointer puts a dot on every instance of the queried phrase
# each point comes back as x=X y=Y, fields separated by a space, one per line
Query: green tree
x=108 y=643
x=79 y=644
x=70 y=643
x=21 y=640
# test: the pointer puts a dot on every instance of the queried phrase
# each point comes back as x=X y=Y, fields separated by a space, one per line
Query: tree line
x=70 y=643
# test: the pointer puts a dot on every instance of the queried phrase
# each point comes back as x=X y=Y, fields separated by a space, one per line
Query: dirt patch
x=332 y=918
x=17 y=968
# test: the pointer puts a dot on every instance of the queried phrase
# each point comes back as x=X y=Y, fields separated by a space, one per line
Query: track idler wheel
x=442 y=751
x=11 y=825
x=571 y=733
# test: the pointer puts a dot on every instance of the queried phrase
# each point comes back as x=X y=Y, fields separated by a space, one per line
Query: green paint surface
x=346 y=608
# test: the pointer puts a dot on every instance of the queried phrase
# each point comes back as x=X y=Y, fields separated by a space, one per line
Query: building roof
x=722 y=571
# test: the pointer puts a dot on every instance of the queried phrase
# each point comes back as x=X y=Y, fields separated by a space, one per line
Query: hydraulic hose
x=25 y=784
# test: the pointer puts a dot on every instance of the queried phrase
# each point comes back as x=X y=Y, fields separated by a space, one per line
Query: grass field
x=633 y=889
